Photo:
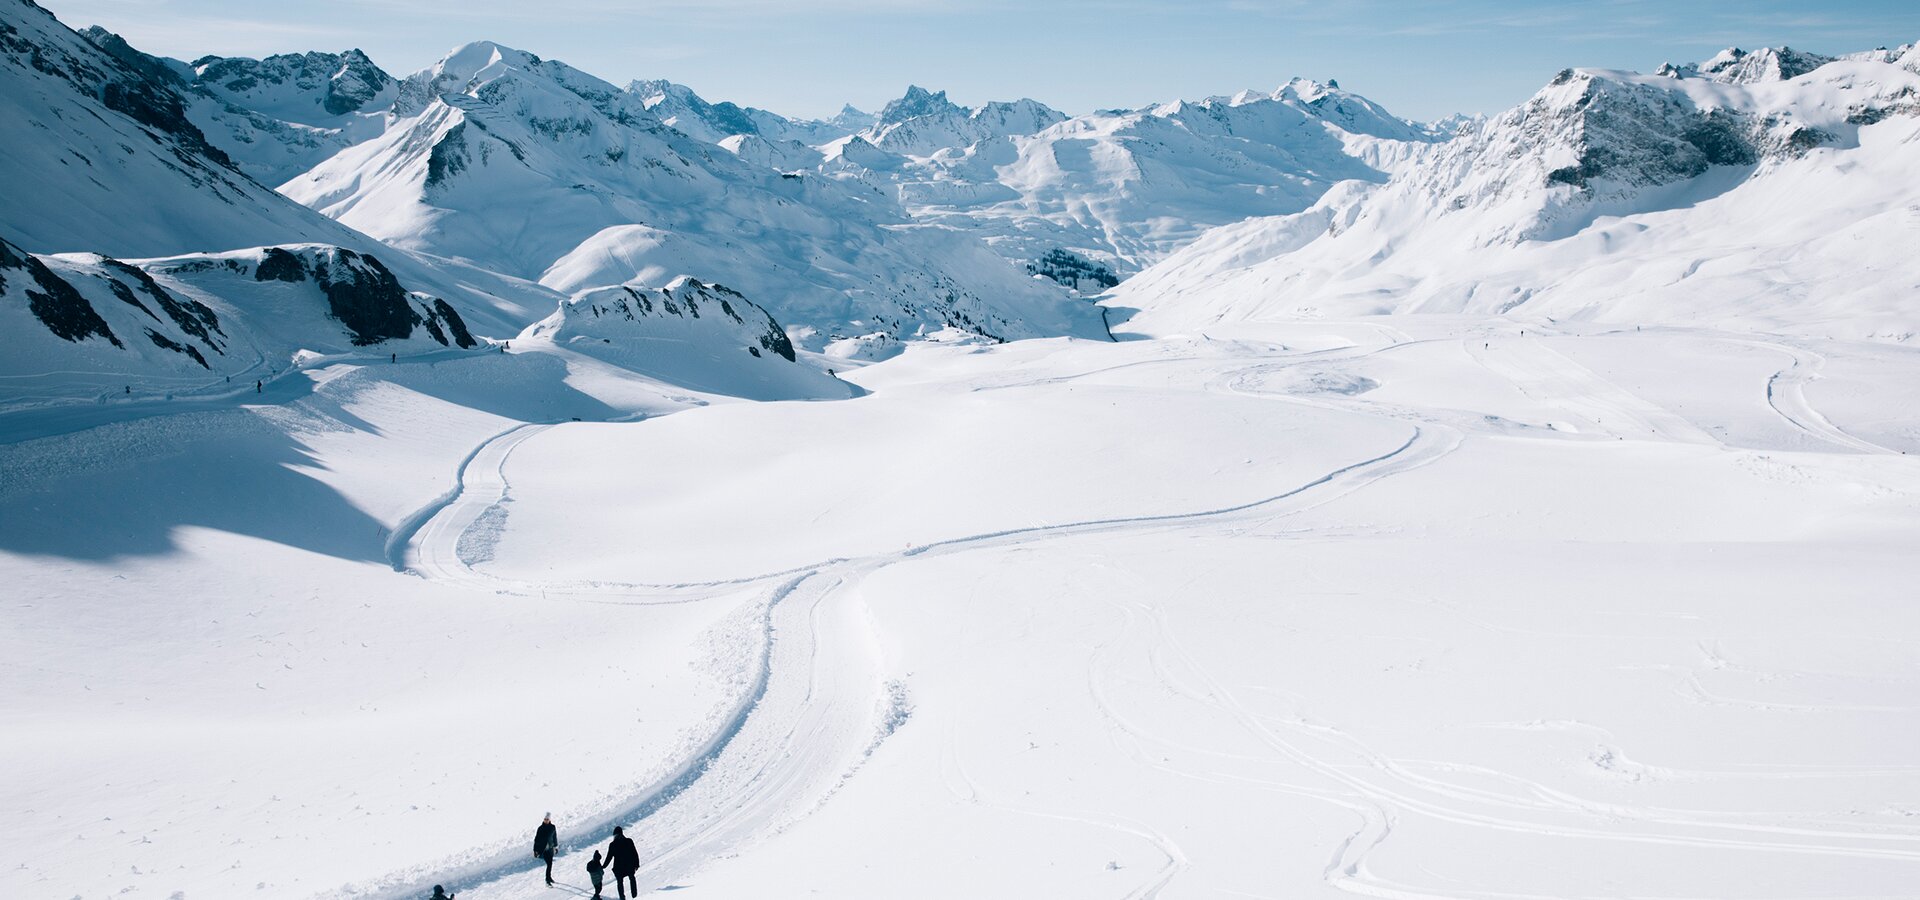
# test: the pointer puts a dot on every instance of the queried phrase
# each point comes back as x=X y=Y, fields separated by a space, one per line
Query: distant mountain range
x=495 y=190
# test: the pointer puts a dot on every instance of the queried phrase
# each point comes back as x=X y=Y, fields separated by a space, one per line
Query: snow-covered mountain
x=1736 y=66
x=680 y=108
x=536 y=169
x=85 y=326
x=105 y=158
x=1123 y=187
x=922 y=122
x=707 y=337
x=1735 y=190
x=276 y=117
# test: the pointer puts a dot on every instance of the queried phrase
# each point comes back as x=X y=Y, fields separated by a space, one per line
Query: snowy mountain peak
x=915 y=103
x=1736 y=66
x=851 y=119
x=923 y=123
x=681 y=108
x=469 y=68
x=301 y=87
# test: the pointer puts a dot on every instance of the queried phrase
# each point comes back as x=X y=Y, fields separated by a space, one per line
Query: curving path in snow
x=1786 y=394
x=818 y=704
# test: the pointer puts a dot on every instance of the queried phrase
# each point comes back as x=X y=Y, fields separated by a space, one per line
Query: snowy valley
x=1259 y=495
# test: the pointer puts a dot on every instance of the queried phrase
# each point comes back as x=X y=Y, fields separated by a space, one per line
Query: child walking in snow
x=596 y=870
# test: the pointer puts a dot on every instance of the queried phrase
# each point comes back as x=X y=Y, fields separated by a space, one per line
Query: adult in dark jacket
x=546 y=842
x=624 y=859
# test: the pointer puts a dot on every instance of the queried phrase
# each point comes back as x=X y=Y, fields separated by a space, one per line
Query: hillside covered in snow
x=1770 y=190
x=1260 y=495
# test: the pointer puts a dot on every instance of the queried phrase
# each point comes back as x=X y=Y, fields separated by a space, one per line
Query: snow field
x=1410 y=607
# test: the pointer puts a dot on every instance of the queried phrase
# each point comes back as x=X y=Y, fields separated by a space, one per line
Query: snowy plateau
x=1260 y=495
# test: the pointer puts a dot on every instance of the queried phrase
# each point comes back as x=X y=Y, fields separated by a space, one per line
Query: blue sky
x=1420 y=59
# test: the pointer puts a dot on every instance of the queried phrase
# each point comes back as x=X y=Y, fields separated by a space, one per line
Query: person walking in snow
x=546 y=842
x=440 y=893
x=256 y=387
x=624 y=859
x=596 y=870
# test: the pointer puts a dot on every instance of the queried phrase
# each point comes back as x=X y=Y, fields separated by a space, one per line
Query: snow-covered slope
x=102 y=156
x=81 y=326
x=707 y=337
x=536 y=169
x=276 y=117
x=1126 y=187
x=1774 y=203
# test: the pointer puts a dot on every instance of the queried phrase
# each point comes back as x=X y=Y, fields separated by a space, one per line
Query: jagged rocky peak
x=336 y=83
x=1631 y=134
x=1736 y=66
x=918 y=102
x=674 y=102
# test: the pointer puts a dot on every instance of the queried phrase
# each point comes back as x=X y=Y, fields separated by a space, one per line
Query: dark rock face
x=683 y=299
x=280 y=265
x=342 y=82
x=771 y=337
x=365 y=297
x=1639 y=136
x=120 y=78
x=166 y=343
x=355 y=84
x=1073 y=270
x=448 y=156
x=192 y=316
x=52 y=300
x=117 y=47
x=443 y=315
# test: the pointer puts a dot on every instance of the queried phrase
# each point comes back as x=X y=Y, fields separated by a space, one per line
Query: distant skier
x=256 y=387
x=546 y=842
x=596 y=870
x=624 y=858
x=440 y=893
x=393 y=357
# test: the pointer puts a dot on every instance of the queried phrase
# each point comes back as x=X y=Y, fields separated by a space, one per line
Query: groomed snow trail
x=1786 y=394
x=818 y=704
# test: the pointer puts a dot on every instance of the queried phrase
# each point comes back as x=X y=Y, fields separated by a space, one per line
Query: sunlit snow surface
x=1409 y=607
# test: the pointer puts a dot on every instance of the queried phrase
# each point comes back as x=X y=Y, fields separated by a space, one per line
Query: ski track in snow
x=815 y=707
x=1786 y=394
